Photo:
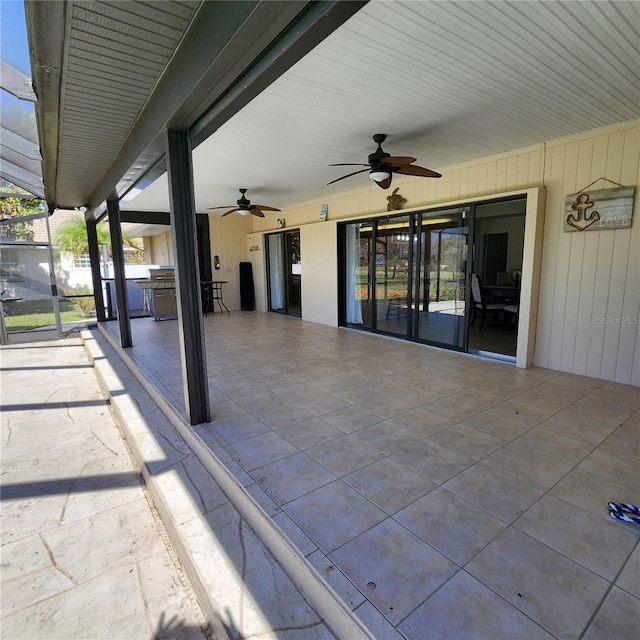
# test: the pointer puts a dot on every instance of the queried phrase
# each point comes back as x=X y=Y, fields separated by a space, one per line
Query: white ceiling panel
x=447 y=81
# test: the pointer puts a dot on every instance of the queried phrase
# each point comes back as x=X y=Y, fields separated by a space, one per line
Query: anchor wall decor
x=599 y=210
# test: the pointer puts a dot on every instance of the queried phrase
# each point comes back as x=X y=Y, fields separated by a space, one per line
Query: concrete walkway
x=83 y=553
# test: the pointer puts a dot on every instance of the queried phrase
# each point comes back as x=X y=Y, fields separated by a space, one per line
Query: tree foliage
x=72 y=236
x=13 y=207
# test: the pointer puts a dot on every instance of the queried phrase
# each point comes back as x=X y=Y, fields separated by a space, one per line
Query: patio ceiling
x=447 y=81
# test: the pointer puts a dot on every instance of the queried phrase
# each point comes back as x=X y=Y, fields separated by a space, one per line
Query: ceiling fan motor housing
x=243 y=202
x=377 y=157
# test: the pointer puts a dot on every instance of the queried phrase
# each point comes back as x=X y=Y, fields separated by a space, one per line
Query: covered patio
x=440 y=495
x=435 y=494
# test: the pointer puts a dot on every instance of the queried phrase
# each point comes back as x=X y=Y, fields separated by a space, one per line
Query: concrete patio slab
x=83 y=555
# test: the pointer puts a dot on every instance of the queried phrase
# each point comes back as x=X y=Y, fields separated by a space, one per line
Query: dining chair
x=511 y=313
x=480 y=304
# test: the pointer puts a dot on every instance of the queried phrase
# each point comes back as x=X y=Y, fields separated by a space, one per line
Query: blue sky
x=13 y=35
x=15 y=51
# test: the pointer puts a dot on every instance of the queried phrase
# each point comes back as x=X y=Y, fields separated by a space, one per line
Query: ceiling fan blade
x=350 y=164
x=415 y=170
x=384 y=184
x=224 y=206
x=263 y=207
x=228 y=212
x=398 y=161
x=349 y=175
x=254 y=210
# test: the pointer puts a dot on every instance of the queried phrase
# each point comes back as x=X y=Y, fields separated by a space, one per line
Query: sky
x=15 y=51
x=13 y=35
x=14 y=48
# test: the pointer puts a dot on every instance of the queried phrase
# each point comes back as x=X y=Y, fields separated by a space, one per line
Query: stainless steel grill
x=162 y=287
x=162 y=278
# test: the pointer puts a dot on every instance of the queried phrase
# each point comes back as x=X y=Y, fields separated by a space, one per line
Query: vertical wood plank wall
x=590 y=282
x=228 y=242
x=590 y=288
x=159 y=249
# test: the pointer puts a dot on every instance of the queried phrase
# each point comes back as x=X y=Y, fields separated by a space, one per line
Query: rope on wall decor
x=600 y=178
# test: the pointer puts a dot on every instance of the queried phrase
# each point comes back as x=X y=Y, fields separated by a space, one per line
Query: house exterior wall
x=589 y=304
x=34 y=281
x=70 y=277
x=159 y=249
x=588 y=321
x=319 y=285
x=228 y=242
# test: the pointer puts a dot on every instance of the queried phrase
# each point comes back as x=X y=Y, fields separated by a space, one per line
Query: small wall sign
x=323 y=212
x=599 y=210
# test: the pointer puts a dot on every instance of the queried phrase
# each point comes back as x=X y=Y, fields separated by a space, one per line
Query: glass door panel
x=441 y=273
x=276 y=273
x=359 y=280
x=294 y=273
x=393 y=255
x=285 y=272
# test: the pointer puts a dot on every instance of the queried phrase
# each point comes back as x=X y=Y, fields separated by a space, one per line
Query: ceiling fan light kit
x=381 y=166
x=378 y=174
x=244 y=207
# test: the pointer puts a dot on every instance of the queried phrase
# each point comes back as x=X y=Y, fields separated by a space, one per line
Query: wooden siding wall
x=590 y=286
x=590 y=282
x=228 y=241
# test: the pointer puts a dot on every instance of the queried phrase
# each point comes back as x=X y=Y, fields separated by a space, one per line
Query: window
x=10 y=268
x=82 y=262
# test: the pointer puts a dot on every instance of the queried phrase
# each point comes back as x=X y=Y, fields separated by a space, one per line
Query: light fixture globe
x=379 y=174
x=244 y=212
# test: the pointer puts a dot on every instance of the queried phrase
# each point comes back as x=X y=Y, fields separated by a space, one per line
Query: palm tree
x=72 y=236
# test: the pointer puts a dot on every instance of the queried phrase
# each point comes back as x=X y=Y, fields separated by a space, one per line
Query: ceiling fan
x=244 y=207
x=381 y=166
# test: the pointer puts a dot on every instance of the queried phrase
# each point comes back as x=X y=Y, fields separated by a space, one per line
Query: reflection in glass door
x=285 y=272
x=393 y=257
x=405 y=276
x=408 y=274
x=441 y=269
x=359 y=274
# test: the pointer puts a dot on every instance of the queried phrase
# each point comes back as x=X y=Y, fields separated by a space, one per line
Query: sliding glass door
x=405 y=275
x=441 y=267
x=358 y=251
x=393 y=257
x=408 y=275
x=285 y=272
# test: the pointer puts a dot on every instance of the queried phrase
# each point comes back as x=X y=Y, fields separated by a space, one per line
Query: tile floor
x=440 y=494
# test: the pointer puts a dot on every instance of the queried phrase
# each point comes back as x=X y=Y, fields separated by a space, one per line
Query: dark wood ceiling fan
x=381 y=166
x=244 y=207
